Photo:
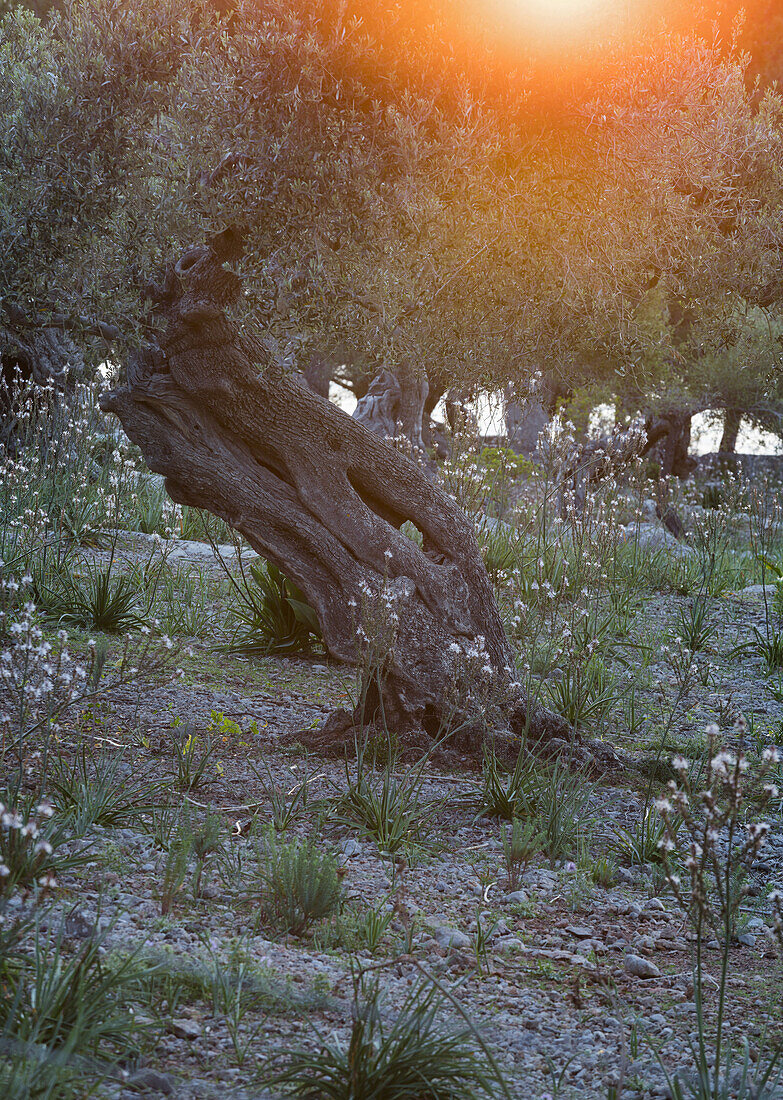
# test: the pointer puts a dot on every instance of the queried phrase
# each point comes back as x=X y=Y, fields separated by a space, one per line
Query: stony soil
x=579 y=982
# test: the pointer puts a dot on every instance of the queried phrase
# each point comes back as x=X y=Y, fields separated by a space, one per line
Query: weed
x=603 y=872
x=769 y=647
x=92 y=598
x=271 y=614
x=207 y=840
x=563 y=811
x=102 y=793
x=521 y=843
x=583 y=692
x=373 y=926
x=694 y=625
x=80 y=1002
x=184 y=603
x=391 y=811
x=486 y=927
x=193 y=758
x=153 y=512
x=175 y=863
x=416 y=1055
x=199 y=526
x=716 y=887
x=508 y=794
x=288 y=805
x=30 y=836
x=641 y=844
x=298 y=883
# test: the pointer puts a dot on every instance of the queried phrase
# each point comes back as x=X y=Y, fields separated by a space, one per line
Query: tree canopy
x=400 y=194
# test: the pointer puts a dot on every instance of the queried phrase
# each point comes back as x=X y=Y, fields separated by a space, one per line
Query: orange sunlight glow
x=568 y=20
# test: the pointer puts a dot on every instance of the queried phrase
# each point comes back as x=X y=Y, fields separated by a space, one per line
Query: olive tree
x=260 y=185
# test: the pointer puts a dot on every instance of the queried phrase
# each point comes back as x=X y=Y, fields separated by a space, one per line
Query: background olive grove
x=411 y=200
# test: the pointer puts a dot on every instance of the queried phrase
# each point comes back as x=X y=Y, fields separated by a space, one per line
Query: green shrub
x=507 y=794
x=272 y=615
x=92 y=598
x=299 y=883
x=102 y=792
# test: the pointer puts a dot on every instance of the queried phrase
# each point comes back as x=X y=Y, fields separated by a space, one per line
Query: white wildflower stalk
x=713 y=889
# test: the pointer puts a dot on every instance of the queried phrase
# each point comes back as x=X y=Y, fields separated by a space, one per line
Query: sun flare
x=567 y=19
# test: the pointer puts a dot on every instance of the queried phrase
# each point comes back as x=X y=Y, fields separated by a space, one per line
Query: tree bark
x=379 y=409
x=318 y=374
x=322 y=498
x=675 y=457
x=731 y=426
x=671 y=435
x=36 y=354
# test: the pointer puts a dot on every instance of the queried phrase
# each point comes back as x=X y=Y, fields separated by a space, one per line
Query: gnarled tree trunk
x=319 y=495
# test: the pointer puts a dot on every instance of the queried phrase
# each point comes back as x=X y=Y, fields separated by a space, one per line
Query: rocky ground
x=574 y=985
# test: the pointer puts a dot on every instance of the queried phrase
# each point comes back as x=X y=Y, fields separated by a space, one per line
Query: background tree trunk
x=675 y=457
x=669 y=437
x=318 y=373
x=322 y=497
x=732 y=418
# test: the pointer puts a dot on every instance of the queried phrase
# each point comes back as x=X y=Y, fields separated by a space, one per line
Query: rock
x=79 y=925
x=150 y=1080
x=654 y=537
x=579 y=931
x=350 y=847
x=186 y=550
x=510 y=943
x=185 y=1029
x=517 y=897
x=638 y=967
x=450 y=937
x=758 y=590
x=747 y=939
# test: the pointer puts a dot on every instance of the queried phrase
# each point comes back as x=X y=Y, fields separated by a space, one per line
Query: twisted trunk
x=323 y=498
